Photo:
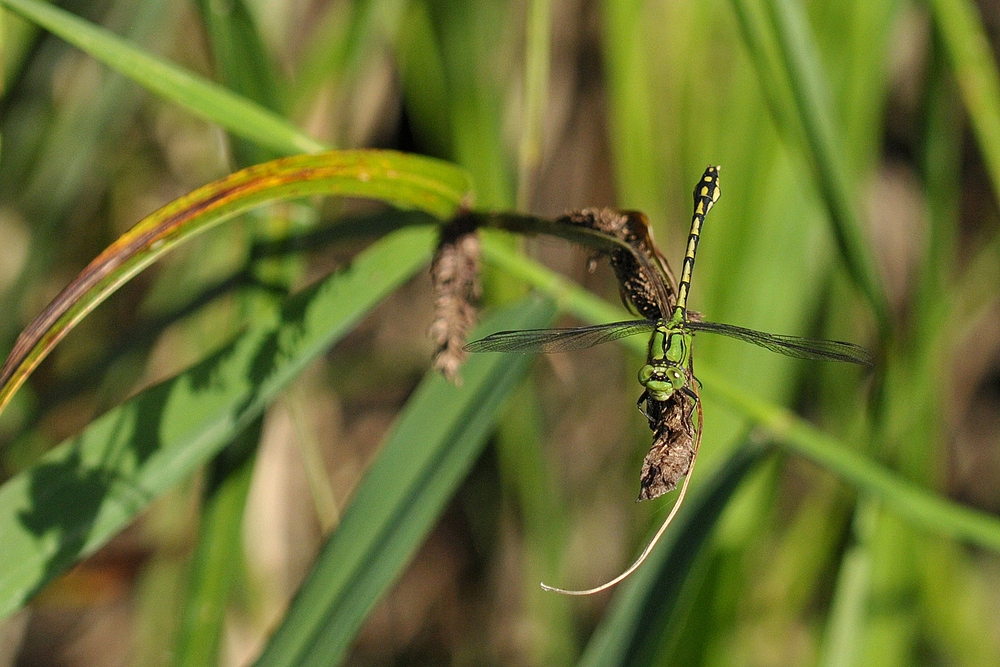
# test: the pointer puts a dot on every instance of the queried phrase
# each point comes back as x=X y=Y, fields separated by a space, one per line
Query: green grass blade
x=815 y=110
x=219 y=551
x=763 y=49
x=472 y=35
x=240 y=57
x=86 y=490
x=438 y=436
x=972 y=58
x=630 y=118
x=632 y=630
x=529 y=478
x=243 y=65
x=934 y=512
x=322 y=56
x=930 y=510
x=842 y=640
x=347 y=37
x=408 y=181
x=209 y=100
x=784 y=52
x=536 y=83
x=423 y=80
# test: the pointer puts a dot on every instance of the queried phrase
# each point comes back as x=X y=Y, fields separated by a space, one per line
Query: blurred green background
x=860 y=150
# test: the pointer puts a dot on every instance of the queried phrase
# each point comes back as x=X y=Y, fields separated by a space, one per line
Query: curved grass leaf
x=433 y=445
x=243 y=65
x=790 y=431
x=790 y=39
x=205 y=98
x=219 y=546
x=537 y=64
x=83 y=492
x=843 y=636
x=971 y=56
x=409 y=181
x=632 y=630
x=630 y=116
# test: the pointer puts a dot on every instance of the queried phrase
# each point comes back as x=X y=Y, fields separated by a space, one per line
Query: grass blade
x=933 y=511
x=439 y=435
x=632 y=629
x=423 y=80
x=242 y=64
x=842 y=640
x=83 y=492
x=408 y=181
x=791 y=76
x=200 y=96
x=972 y=58
x=814 y=108
x=536 y=83
x=214 y=564
x=630 y=118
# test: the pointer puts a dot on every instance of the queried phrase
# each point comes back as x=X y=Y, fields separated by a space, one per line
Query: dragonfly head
x=662 y=380
x=669 y=354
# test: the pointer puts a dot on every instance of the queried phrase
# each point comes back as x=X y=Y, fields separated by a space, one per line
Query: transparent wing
x=559 y=340
x=792 y=346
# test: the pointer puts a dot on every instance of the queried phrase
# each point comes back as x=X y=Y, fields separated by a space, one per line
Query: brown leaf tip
x=673 y=450
x=455 y=279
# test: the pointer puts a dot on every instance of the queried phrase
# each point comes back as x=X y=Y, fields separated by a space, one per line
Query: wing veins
x=527 y=341
x=791 y=346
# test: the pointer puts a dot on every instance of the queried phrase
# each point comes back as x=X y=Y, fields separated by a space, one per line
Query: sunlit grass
x=851 y=209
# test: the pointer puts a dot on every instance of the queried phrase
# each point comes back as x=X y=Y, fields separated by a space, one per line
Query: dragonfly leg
x=641 y=404
x=693 y=395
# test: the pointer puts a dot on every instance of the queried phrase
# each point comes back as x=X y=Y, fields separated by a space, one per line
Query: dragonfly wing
x=791 y=346
x=559 y=340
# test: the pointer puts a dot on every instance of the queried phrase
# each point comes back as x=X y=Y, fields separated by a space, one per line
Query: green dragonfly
x=670 y=394
x=668 y=363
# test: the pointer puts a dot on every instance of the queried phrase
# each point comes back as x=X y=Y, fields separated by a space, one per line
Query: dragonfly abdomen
x=706 y=193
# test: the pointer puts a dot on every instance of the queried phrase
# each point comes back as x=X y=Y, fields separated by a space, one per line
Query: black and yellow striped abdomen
x=706 y=193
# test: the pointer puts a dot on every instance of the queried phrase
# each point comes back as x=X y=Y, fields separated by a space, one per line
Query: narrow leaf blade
x=87 y=489
x=205 y=98
x=439 y=435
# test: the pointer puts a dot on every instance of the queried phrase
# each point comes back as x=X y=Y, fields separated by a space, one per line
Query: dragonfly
x=670 y=396
x=668 y=361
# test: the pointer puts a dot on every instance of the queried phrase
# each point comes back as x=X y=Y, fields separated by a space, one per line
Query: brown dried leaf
x=674 y=445
x=632 y=227
x=455 y=278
